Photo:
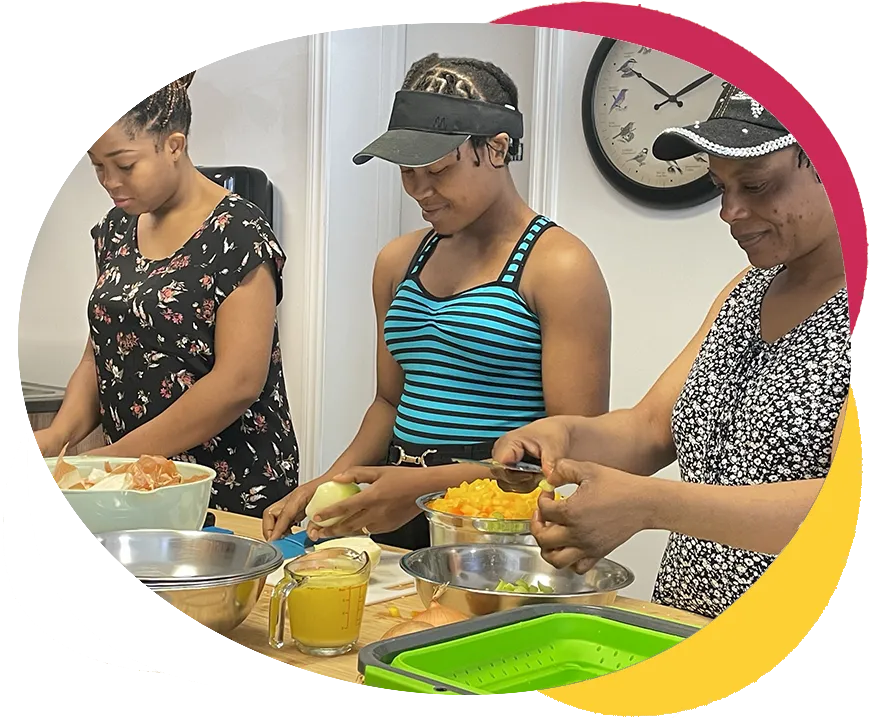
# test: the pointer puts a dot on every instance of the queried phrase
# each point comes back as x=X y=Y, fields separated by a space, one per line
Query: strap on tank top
x=512 y=272
x=422 y=254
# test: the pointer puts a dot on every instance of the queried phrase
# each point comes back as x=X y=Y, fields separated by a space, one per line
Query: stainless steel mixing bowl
x=220 y=607
x=467 y=576
x=214 y=578
x=164 y=557
x=448 y=529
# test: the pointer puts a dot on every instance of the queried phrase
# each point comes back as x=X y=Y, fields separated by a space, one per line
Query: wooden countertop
x=254 y=632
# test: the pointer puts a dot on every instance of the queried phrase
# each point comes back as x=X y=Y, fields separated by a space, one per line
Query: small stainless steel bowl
x=471 y=572
x=450 y=529
x=214 y=578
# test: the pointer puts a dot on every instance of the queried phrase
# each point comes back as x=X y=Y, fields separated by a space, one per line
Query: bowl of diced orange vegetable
x=479 y=512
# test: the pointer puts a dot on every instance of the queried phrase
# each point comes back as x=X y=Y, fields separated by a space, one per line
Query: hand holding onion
x=328 y=494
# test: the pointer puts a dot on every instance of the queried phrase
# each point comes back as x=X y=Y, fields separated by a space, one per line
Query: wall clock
x=631 y=94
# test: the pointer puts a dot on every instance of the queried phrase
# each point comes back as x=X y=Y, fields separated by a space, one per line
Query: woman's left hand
x=386 y=504
x=608 y=507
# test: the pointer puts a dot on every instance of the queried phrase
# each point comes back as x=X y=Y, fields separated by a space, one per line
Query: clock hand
x=656 y=88
x=694 y=85
x=685 y=90
x=670 y=99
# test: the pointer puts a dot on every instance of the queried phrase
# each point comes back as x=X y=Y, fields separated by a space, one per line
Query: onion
x=438 y=615
x=326 y=495
x=402 y=629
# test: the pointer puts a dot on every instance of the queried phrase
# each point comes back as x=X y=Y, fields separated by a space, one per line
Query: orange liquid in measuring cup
x=327 y=611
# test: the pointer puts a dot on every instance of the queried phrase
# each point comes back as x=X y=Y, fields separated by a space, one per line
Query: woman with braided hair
x=490 y=317
x=183 y=358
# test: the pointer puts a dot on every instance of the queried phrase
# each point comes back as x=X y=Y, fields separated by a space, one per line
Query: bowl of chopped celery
x=478 y=579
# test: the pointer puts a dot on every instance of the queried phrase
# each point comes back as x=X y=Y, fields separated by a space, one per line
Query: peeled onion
x=438 y=615
x=328 y=494
x=402 y=629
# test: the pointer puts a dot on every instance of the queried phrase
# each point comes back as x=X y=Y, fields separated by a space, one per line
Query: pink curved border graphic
x=709 y=50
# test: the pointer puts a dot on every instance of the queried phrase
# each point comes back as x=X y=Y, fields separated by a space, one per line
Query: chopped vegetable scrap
x=522 y=586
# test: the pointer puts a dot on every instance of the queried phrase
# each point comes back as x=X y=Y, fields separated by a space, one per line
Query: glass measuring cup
x=324 y=593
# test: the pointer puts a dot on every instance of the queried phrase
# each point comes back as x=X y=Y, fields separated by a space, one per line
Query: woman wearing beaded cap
x=183 y=358
x=490 y=318
x=752 y=408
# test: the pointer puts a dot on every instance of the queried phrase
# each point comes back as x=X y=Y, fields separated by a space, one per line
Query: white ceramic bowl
x=179 y=508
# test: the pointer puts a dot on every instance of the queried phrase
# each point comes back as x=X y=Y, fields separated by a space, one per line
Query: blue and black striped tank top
x=473 y=361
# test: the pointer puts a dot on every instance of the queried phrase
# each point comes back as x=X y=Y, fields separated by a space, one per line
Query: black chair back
x=247 y=182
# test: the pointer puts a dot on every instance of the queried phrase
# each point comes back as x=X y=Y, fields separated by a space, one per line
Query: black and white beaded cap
x=738 y=128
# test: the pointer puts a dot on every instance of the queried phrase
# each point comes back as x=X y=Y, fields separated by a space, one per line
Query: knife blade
x=525 y=467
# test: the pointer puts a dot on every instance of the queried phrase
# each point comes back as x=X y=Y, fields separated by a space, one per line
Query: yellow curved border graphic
x=761 y=628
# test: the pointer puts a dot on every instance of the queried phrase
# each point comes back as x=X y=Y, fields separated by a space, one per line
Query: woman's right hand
x=289 y=511
x=547 y=439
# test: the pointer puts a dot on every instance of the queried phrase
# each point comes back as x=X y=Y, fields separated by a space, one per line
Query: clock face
x=636 y=93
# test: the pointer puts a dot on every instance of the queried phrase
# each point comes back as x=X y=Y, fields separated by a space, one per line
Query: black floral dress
x=752 y=412
x=152 y=325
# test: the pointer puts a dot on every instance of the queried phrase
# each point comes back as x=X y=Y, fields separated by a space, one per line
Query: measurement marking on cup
x=346 y=593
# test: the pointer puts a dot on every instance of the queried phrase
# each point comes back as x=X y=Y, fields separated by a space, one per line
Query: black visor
x=425 y=127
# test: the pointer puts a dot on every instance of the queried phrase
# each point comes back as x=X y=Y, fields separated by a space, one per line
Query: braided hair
x=163 y=113
x=803 y=160
x=468 y=78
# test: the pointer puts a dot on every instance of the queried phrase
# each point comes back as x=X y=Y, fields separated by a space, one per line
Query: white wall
x=663 y=269
x=53 y=326
x=361 y=216
x=511 y=47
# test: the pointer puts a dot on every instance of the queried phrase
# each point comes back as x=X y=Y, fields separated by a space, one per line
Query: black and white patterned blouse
x=752 y=412
x=152 y=328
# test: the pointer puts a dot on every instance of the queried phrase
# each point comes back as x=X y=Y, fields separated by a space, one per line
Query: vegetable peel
x=403 y=629
x=439 y=615
x=145 y=474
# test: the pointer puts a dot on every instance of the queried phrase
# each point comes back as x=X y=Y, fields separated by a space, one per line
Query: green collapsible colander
x=526 y=649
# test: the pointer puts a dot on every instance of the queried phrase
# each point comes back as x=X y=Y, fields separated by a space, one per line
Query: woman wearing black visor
x=489 y=318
